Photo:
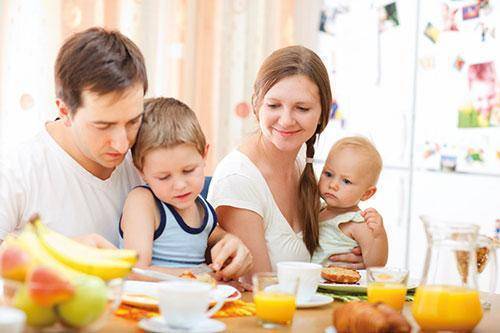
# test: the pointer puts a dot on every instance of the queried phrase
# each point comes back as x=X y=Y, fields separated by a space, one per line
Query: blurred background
x=419 y=78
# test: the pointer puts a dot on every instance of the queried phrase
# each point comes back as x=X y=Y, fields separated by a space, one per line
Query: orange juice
x=392 y=294
x=274 y=307
x=439 y=307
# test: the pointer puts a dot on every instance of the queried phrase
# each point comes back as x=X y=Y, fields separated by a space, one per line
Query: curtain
x=205 y=53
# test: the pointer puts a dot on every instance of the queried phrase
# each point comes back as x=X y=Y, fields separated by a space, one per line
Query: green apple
x=36 y=315
x=87 y=304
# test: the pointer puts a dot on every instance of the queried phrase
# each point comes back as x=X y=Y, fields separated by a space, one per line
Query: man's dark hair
x=100 y=61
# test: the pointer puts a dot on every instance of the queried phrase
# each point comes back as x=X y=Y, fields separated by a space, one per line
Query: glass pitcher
x=447 y=298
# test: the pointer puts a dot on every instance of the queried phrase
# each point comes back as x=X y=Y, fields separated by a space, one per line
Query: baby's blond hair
x=364 y=146
x=166 y=123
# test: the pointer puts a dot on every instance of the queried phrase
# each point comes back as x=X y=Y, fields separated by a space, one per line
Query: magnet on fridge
x=449 y=18
x=459 y=63
x=431 y=32
x=427 y=62
x=470 y=12
x=388 y=17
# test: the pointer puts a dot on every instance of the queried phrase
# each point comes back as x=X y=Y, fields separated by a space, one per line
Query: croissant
x=363 y=317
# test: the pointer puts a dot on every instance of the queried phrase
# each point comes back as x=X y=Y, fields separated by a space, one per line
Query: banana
x=79 y=258
x=29 y=241
x=64 y=242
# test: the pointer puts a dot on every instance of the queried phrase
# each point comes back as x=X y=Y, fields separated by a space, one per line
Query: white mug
x=307 y=273
x=184 y=304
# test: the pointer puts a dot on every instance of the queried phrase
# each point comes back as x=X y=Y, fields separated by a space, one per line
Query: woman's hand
x=353 y=259
x=230 y=258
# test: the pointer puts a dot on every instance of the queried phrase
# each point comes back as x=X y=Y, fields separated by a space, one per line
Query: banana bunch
x=105 y=263
x=59 y=278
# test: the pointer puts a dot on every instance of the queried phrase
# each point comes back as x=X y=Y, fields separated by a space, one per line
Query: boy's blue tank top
x=175 y=243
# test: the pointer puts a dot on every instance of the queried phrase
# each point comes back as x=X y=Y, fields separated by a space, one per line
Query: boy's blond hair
x=363 y=145
x=166 y=123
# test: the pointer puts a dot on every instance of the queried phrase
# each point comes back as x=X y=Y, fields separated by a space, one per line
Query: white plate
x=317 y=300
x=157 y=325
x=145 y=294
x=358 y=288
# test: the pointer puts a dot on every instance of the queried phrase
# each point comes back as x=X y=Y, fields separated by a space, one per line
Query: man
x=77 y=172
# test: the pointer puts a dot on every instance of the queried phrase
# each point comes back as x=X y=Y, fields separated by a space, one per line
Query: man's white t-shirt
x=40 y=177
x=237 y=182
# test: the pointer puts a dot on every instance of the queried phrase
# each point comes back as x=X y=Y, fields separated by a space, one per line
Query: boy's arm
x=372 y=239
x=138 y=222
x=138 y=225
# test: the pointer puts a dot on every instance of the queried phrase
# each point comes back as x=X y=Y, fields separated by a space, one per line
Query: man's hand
x=95 y=240
x=230 y=258
x=353 y=260
x=374 y=222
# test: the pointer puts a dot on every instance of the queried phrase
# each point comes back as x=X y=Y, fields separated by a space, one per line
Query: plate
x=144 y=294
x=359 y=288
x=316 y=300
x=157 y=324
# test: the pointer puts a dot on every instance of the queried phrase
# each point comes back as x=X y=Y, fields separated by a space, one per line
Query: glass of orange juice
x=387 y=285
x=274 y=302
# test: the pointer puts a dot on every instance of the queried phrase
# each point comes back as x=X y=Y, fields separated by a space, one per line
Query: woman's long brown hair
x=285 y=62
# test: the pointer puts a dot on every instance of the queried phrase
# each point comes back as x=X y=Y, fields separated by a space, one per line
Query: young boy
x=167 y=221
x=349 y=176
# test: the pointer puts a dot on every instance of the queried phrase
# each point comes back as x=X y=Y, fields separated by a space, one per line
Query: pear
x=87 y=304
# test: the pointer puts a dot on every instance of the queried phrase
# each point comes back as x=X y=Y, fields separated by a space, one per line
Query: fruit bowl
x=86 y=310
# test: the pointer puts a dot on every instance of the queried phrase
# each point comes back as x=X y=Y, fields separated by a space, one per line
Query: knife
x=200 y=269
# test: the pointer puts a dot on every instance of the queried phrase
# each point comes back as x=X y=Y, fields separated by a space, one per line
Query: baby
x=167 y=221
x=349 y=176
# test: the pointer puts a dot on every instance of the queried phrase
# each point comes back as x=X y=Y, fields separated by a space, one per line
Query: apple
x=87 y=304
x=36 y=315
x=47 y=286
x=14 y=262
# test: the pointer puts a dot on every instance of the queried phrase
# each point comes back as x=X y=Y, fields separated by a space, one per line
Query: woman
x=265 y=192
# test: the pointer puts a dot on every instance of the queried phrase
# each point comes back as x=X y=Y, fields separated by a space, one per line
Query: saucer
x=157 y=325
x=316 y=300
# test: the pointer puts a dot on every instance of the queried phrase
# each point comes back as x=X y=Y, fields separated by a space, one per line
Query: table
x=308 y=320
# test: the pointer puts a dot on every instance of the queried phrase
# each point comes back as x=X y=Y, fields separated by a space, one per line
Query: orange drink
x=274 y=302
x=440 y=307
x=275 y=307
x=392 y=294
x=387 y=285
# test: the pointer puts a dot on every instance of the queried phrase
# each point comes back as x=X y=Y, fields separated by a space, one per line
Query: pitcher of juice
x=447 y=298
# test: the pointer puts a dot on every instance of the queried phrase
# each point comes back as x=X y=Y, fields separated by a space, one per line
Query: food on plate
x=140 y=301
x=364 y=317
x=205 y=277
x=337 y=274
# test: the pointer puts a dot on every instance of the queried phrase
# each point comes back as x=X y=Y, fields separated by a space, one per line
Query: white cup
x=308 y=275
x=184 y=304
x=11 y=320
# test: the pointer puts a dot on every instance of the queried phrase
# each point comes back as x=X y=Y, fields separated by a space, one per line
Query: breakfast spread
x=335 y=274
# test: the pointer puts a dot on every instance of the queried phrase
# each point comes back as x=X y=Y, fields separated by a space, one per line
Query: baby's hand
x=374 y=222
